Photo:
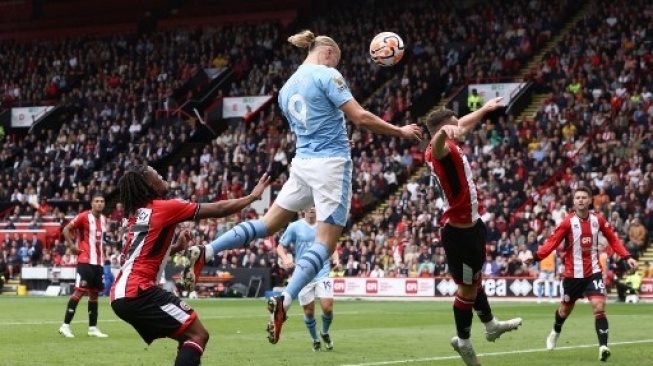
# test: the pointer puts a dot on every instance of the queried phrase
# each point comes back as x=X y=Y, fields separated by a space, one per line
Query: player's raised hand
x=633 y=264
x=185 y=237
x=263 y=183
x=184 y=240
x=411 y=132
x=494 y=103
x=452 y=132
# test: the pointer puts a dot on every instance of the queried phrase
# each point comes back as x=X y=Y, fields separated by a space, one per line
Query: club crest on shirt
x=595 y=224
x=340 y=83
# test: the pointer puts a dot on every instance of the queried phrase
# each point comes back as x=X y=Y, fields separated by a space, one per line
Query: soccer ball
x=386 y=49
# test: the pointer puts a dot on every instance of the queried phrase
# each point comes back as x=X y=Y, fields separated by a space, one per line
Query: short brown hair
x=583 y=189
x=435 y=118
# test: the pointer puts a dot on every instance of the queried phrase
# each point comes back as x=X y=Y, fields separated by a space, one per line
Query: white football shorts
x=320 y=289
x=323 y=182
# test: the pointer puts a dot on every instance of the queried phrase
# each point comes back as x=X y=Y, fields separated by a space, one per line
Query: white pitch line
x=503 y=353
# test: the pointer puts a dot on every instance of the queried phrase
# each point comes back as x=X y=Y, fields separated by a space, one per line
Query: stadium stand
x=593 y=128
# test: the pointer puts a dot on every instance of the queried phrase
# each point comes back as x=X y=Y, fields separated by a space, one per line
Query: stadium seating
x=518 y=160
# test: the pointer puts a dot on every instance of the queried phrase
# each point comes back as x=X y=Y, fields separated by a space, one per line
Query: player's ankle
x=208 y=252
x=492 y=322
x=287 y=300
x=464 y=342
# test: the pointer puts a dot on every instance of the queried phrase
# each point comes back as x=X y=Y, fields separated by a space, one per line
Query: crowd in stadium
x=596 y=129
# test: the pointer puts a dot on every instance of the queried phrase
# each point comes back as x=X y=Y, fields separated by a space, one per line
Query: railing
x=456 y=98
x=207 y=96
x=520 y=100
x=172 y=113
x=7 y=208
x=517 y=90
x=255 y=113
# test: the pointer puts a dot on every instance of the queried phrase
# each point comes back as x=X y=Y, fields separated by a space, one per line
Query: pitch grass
x=364 y=333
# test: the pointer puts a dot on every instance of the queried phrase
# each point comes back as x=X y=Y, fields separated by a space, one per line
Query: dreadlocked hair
x=135 y=191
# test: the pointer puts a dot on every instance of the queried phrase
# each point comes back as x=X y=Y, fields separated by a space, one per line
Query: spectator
x=647 y=272
x=337 y=271
x=377 y=272
x=629 y=285
x=637 y=233
x=474 y=101
x=490 y=267
x=426 y=267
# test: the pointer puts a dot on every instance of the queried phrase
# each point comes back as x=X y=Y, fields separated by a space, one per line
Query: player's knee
x=565 y=310
x=202 y=336
x=276 y=218
x=197 y=332
x=599 y=309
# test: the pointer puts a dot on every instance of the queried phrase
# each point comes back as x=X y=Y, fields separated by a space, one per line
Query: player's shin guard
x=559 y=321
x=92 y=313
x=601 y=324
x=482 y=306
x=306 y=268
x=70 y=309
x=462 y=312
x=189 y=353
x=238 y=237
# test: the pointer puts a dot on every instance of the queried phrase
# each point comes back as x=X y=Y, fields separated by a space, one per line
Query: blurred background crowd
x=595 y=128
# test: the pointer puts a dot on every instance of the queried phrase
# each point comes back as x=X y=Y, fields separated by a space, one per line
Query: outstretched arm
x=368 y=120
x=469 y=121
x=228 y=207
x=551 y=243
x=439 y=148
x=616 y=243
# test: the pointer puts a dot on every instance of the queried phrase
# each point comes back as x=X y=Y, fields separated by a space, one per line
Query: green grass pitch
x=365 y=333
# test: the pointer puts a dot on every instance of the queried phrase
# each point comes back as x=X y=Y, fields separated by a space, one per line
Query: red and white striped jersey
x=581 y=255
x=453 y=174
x=146 y=244
x=90 y=230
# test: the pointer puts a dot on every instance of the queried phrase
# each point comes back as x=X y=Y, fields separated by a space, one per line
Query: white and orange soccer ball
x=387 y=49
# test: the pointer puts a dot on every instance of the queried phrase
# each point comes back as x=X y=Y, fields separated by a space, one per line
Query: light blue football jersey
x=302 y=235
x=311 y=101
